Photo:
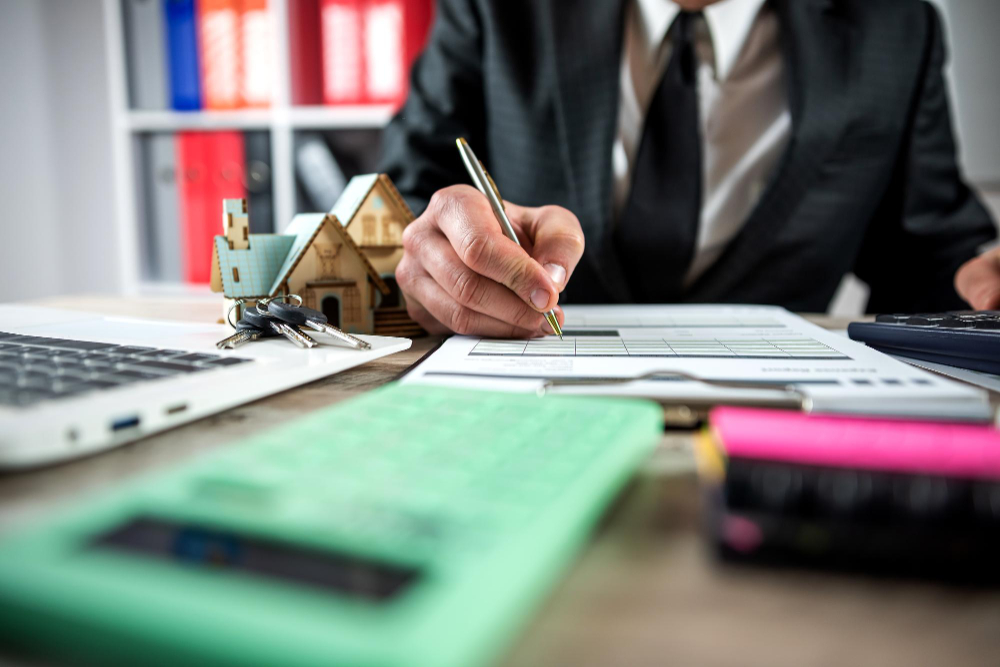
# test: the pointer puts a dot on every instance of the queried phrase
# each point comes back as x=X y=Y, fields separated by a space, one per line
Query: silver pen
x=484 y=183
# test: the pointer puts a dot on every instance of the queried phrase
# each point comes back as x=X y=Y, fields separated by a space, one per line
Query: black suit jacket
x=868 y=182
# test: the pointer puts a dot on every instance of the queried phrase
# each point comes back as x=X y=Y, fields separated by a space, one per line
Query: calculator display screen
x=221 y=549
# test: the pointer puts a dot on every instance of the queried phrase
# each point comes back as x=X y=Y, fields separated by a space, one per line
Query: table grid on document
x=744 y=348
x=686 y=321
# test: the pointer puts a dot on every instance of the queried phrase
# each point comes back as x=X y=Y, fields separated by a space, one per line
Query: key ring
x=281 y=297
x=229 y=313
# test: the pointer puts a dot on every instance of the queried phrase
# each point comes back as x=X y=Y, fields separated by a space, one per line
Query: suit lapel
x=816 y=44
x=587 y=39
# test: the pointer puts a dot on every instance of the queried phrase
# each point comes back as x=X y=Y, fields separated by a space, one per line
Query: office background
x=57 y=131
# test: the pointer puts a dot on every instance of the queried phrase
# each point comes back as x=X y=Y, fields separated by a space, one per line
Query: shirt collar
x=729 y=24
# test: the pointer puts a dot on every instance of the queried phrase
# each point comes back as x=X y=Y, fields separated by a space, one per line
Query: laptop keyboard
x=35 y=368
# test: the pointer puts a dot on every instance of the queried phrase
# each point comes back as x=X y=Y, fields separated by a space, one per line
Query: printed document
x=755 y=354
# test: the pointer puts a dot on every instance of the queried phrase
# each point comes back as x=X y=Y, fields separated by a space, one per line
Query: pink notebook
x=945 y=449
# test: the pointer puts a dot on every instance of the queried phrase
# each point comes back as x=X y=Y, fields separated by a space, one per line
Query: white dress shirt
x=743 y=108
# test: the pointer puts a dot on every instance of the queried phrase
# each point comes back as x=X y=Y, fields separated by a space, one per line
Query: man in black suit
x=684 y=151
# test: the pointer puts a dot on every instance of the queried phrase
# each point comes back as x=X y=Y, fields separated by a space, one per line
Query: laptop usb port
x=125 y=423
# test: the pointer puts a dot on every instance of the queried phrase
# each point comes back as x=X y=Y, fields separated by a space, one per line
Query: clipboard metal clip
x=686 y=412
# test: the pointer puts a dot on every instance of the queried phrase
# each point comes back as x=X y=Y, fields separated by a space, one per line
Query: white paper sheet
x=763 y=345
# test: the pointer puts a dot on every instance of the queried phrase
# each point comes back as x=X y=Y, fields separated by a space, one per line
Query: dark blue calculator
x=966 y=339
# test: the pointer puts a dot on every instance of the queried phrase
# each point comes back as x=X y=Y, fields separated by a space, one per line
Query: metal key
x=249 y=333
x=265 y=320
x=245 y=332
x=315 y=320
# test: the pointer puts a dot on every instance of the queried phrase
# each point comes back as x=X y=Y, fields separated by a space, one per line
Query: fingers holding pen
x=463 y=274
x=430 y=305
x=465 y=286
x=467 y=221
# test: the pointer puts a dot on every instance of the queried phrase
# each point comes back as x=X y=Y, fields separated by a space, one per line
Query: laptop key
x=133 y=349
x=165 y=354
x=38 y=341
x=46 y=368
x=160 y=366
x=194 y=358
x=69 y=360
x=124 y=376
x=99 y=384
x=228 y=361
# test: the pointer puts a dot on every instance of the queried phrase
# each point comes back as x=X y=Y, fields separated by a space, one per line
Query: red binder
x=386 y=55
x=257 y=53
x=419 y=18
x=306 y=52
x=342 y=23
x=211 y=167
x=219 y=38
x=368 y=47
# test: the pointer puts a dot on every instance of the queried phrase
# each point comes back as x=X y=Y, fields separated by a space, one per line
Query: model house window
x=368 y=230
x=390 y=231
x=352 y=304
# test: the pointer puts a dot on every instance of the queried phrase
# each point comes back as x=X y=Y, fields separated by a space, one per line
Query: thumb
x=556 y=239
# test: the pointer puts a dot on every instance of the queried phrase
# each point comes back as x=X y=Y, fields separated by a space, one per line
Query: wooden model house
x=318 y=258
x=375 y=214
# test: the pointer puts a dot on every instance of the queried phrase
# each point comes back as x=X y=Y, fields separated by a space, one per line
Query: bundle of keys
x=273 y=318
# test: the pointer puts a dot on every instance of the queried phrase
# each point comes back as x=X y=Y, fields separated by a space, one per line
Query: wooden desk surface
x=644 y=592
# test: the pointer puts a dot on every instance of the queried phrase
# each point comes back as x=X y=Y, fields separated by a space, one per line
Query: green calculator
x=413 y=525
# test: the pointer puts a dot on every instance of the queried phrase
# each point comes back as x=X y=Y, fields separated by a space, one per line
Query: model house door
x=331 y=308
x=390 y=300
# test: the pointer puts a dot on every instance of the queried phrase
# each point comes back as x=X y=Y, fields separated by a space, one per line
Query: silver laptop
x=74 y=383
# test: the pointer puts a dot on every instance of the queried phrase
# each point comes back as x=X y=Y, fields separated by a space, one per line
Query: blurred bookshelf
x=151 y=139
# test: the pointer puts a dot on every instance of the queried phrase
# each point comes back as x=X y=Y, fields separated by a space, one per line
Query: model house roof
x=256 y=266
x=302 y=231
x=305 y=227
x=357 y=190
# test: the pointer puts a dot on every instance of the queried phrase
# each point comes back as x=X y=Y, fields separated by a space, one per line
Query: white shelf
x=310 y=117
x=346 y=117
x=152 y=121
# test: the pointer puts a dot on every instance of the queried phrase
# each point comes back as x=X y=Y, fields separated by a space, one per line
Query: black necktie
x=656 y=235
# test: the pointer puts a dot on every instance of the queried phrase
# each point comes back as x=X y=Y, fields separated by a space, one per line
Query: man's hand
x=460 y=273
x=978 y=281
